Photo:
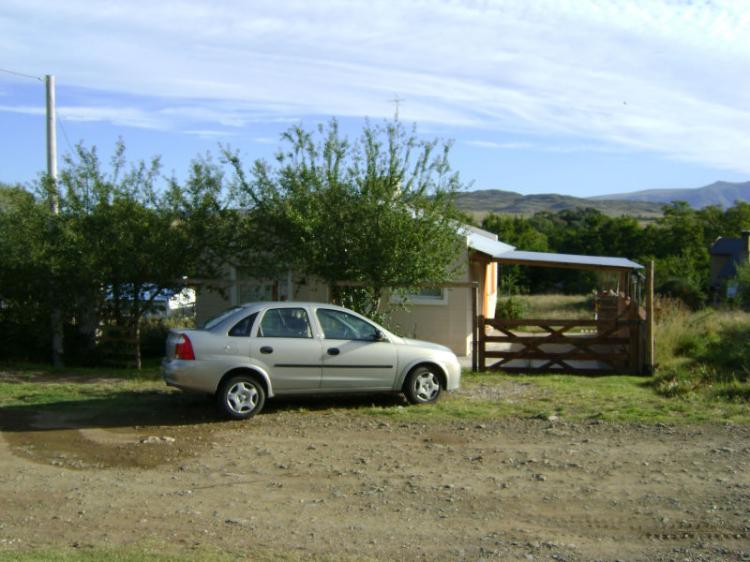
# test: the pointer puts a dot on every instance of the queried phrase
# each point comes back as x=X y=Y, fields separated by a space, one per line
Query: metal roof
x=485 y=243
x=566 y=260
x=729 y=246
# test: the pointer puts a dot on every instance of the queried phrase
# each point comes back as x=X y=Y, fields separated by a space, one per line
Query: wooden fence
x=566 y=346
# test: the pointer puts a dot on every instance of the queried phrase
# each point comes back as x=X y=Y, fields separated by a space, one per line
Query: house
x=446 y=315
x=443 y=315
x=726 y=255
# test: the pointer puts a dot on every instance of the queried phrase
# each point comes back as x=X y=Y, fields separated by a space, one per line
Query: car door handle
x=266 y=349
x=333 y=351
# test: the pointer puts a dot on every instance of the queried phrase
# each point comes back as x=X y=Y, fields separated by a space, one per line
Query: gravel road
x=334 y=484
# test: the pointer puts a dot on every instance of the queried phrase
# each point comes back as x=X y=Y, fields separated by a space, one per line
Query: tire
x=423 y=386
x=241 y=397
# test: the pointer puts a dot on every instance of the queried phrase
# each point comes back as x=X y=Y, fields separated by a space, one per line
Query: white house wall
x=448 y=323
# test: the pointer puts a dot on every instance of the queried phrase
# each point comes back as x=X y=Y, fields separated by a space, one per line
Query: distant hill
x=482 y=202
x=721 y=193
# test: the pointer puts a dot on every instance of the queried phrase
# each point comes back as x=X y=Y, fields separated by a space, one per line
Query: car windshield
x=216 y=320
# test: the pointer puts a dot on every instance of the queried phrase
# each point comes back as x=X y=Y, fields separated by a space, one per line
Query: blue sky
x=581 y=97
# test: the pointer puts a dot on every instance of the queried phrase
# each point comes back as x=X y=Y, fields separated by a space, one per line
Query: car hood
x=425 y=344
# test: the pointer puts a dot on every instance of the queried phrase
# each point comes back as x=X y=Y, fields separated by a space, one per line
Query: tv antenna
x=396 y=101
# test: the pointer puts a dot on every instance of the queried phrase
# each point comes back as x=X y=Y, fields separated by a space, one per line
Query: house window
x=249 y=288
x=425 y=295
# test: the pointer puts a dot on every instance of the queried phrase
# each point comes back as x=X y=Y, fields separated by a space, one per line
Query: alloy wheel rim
x=427 y=387
x=242 y=397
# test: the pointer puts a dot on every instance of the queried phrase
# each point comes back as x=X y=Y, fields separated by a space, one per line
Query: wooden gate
x=565 y=346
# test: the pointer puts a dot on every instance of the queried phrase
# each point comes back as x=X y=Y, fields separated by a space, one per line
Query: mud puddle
x=72 y=441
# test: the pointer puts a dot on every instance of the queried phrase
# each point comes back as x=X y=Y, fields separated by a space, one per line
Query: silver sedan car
x=262 y=350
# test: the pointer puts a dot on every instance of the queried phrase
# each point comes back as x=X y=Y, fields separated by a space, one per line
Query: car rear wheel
x=241 y=397
x=422 y=385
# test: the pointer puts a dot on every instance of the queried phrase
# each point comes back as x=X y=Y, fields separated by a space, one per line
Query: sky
x=579 y=97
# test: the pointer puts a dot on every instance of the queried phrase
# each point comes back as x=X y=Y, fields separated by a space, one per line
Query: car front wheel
x=422 y=385
x=241 y=397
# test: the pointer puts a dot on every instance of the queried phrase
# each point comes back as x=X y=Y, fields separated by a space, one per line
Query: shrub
x=154 y=333
x=703 y=351
x=688 y=292
x=511 y=308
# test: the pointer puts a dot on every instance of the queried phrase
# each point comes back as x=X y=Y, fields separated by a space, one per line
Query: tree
x=118 y=243
x=24 y=285
x=136 y=242
x=379 y=211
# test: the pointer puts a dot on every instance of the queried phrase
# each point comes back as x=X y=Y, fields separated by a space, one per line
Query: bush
x=25 y=336
x=705 y=351
x=689 y=293
x=154 y=333
x=511 y=308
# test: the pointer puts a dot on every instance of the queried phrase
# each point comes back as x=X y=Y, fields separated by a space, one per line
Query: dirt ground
x=304 y=482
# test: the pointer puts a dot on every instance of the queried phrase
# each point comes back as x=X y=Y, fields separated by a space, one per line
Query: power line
x=65 y=134
x=22 y=74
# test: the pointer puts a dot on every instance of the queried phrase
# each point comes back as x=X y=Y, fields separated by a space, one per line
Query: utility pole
x=56 y=322
x=54 y=201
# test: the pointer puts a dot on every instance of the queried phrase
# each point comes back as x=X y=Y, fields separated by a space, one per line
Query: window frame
x=415 y=298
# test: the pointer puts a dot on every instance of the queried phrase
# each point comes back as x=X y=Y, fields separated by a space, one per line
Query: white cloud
x=662 y=76
x=539 y=147
x=211 y=134
x=501 y=145
x=126 y=116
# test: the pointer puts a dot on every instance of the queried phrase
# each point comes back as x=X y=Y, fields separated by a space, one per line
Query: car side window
x=285 y=323
x=339 y=325
x=242 y=328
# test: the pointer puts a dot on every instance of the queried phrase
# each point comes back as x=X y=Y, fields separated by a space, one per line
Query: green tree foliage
x=743 y=285
x=117 y=244
x=24 y=284
x=679 y=241
x=378 y=211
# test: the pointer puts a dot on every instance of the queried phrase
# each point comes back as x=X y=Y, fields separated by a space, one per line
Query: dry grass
x=702 y=352
x=559 y=307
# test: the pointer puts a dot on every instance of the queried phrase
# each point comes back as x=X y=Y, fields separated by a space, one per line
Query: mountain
x=484 y=201
x=721 y=193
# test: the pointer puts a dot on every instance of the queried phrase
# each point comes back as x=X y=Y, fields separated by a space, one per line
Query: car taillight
x=183 y=349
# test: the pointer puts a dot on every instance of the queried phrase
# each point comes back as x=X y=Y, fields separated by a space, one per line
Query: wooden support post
x=634 y=332
x=482 y=343
x=475 y=328
x=650 y=320
x=622 y=283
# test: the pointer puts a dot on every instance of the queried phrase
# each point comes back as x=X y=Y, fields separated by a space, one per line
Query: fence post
x=475 y=328
x=649 y=366
x=482 y=342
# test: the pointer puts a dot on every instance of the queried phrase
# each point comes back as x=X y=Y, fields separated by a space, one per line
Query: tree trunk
x=56 y=324
x=135 y=318
x=88 y=323
x=137 y=334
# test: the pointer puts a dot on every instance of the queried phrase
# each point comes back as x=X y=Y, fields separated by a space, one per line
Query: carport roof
x=573 y=261
x=483 y=241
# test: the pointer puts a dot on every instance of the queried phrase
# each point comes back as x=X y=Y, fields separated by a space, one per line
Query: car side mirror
x=379 y=336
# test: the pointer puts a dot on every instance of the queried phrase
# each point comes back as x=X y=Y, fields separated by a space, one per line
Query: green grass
x=150 y=370
x=627 y=399
x=124 y=396
x=98 y=555
x=157 y=553
x=36 y=384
